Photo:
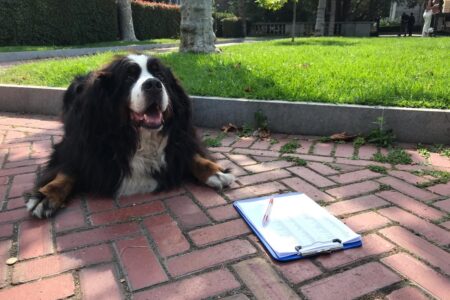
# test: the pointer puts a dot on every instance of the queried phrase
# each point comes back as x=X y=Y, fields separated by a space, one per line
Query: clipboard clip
x=326 y=247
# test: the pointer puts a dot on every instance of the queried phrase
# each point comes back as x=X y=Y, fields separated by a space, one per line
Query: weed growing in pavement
x=273 y=141
x=426 y=150
x=298 y=161
x=214 y=141
x=261 y=121
x=290 y=146
x=380 y=136
x=385 y=187
x=378 y=169
x=423 y=151
x=395 y=156
x=440 y=177
x=247 y=130
x=325 y=139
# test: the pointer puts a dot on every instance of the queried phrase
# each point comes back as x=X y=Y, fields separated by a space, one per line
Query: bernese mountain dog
x=127 y=130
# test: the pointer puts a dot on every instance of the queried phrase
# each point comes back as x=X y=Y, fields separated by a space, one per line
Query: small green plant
x=290 y=147
x=385 y=187
x=423 y=151
x=359 y=141
x=439 y=177
x=214 y=141
x=395 y=156
x=378 y=169
x=325 y=139
x=446 y=152
x=261 y=120
x=380 y=136
x=436 y=148
x=298 y=161
x=273 y=141
x=426 y=150
x=247 y=130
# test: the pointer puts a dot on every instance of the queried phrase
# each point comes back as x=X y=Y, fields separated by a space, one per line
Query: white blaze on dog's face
x=148 y=97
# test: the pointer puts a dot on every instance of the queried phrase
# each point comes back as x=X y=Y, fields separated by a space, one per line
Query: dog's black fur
x=100 y=137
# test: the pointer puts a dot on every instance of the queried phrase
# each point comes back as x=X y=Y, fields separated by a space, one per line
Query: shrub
x=218 y=17
x=155 y=20
x=232 y=27
x=57 y=22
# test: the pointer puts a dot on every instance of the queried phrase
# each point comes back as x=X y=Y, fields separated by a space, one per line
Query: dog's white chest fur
x=149 y=158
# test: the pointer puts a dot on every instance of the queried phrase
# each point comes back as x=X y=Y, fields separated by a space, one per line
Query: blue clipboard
x=339 y=246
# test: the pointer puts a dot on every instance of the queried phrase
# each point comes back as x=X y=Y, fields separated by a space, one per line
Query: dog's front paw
x=41 y=206
x=220 y=180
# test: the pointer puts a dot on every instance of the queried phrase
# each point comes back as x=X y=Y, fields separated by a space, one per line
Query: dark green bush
x=156 y=20
x=218 y=17
x=232 y=27
x=57 y=22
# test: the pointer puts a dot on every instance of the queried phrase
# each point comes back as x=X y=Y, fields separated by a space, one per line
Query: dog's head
x=141 y=87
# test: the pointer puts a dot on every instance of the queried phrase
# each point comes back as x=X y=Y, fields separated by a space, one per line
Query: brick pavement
x=189 y=243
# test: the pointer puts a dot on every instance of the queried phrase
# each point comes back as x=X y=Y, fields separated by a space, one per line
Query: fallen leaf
x=229 y=128
x=342 y=136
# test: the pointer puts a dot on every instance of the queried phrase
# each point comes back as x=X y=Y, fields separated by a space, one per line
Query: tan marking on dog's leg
x=203 y=168
x=58 y=190
x=210 y=173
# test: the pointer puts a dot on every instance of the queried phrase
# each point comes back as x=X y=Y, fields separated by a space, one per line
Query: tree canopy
x=271 y=4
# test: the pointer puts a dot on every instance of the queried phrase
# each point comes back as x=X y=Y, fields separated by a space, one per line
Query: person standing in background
x=431 y=9
x=404 y=24
x=411 y=22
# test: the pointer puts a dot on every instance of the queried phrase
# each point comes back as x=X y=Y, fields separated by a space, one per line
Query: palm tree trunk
x=126 y=20
x=196 y=30
x=332 y=18
x=320 y=18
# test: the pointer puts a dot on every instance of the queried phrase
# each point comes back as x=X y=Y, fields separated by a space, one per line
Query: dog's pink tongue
x=153 y=118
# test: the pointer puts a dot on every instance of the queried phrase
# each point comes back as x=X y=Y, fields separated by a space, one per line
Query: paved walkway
x=12 y=58
x=189 y=243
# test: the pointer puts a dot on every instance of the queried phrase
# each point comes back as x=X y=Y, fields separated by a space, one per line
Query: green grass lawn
x=103 y=44
x=407 y=72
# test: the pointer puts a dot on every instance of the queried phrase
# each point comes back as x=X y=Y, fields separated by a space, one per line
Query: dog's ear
x=104 y=78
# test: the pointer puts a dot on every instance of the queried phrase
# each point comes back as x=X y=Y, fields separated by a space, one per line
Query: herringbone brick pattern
x=190 y=243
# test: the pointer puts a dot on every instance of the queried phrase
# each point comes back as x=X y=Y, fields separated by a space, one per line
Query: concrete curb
x=409 y=124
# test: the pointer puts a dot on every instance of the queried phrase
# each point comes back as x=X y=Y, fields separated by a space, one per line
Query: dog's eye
x=153 y=65
x=133 y=71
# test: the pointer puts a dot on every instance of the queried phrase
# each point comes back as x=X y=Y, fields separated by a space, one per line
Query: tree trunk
x=196 y=30
x=126 y=20
x=294 y=20
x=320 y=19
x=332 y=18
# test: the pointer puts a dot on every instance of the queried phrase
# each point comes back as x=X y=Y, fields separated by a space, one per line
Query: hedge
x=155 y=20
x=77 y=22
x=57 y=22
x=218 y=17
x=232 y=27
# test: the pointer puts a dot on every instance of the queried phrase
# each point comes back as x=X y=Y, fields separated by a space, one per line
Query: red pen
x=267 y=213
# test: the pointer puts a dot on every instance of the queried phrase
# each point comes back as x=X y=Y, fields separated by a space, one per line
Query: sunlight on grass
x=408 y=72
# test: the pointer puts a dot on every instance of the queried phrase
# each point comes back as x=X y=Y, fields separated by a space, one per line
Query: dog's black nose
x=152 y=85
